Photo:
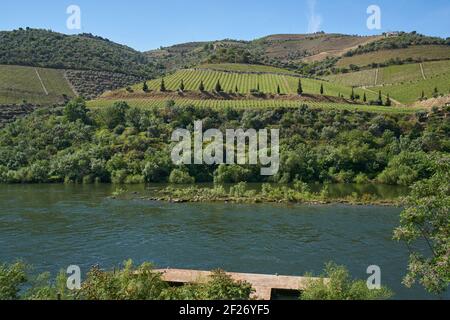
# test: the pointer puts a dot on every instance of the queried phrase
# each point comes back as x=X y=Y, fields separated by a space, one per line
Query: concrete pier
x=263 y=284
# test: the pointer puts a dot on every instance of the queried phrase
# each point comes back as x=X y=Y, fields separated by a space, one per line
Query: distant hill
x=43 y=48
x=89 y=65
x=283 y=50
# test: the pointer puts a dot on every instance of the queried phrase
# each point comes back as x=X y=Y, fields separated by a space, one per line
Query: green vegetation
x=398 y=74
x=123 y=144
x=19 y=84
x=354 y=79
x=245 y=68
x=245 y=82
x=426 y=218
x=411 y=92
x=144 y=283
x=413 y=53
x=297 y=192
x=402 y=40
x=249 y=104
x=289 y=52
x=42 y=48
x=127 y=283
x=340 y=286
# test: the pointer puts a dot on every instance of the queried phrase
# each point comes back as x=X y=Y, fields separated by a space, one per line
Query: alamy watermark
x=213 y=147
x=374 y=20
x=74 y=277
x=374 y=281
x=74 y=20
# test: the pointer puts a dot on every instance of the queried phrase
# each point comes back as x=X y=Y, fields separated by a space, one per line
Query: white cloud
x=314 y=20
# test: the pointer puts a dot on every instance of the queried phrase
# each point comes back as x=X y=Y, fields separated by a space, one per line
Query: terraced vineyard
x=398 y=74
x=244 y=83
x=237 y=67
x=423 y=53
x=247 y=104
x=19 y=83
x=354 y=79
x=410 y=92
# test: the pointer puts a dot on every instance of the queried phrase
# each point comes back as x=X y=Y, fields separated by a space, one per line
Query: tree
x=388 y=101
x=178 y=176
x=423 y=95
x=218 y=87
x=162 y=88
x=300 y=87
x=340 y=286
x=352 y=95
x=425 y=218
x=365 y=97
x=145 y=87
x=380 y=98
x=257 y=87
x=278 y=90
x=76 y=110
x=236 y=89
x=436 y=92
x=182 y=85
x=321 y=88
x=202 y=86
x=115 y=115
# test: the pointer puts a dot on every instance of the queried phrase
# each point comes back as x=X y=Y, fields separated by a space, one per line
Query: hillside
x=285 y=51
x=247 y=90
x=310 y=47
x=43 y=48
x=34 y=85
x=413 y=53
x=243 y=83
x=404 y=83
x=392 y=74
x=266 y=69
x=411 y=92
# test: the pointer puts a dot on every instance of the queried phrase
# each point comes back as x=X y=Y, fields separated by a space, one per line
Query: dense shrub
x=126 y=283
x=178 y=176
x=128 y=145
x=340 y=286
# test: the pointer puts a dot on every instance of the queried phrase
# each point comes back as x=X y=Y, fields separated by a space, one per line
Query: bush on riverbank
x=144 y=283
x=241 y=193
x=127 y=283
x=124 y=145
x=340 y=286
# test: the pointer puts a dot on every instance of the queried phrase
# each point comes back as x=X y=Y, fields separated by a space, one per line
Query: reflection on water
x=54 y=226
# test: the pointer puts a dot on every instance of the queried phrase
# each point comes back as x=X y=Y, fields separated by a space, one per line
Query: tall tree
x=182 y=85
x=201 y=87
x=218 y=86
x=425 y=219
x=380 y=98
x=278 y=90
x=388 y=101
x=352 y=95
x=321 y=88
x=300 y=87
x=145 y=87
x=365 y=97
x=162 y=87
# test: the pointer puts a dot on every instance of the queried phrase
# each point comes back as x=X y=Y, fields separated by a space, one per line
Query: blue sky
x=148 y=24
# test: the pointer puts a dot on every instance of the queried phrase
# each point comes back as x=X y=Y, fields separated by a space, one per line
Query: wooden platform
x=263 y=284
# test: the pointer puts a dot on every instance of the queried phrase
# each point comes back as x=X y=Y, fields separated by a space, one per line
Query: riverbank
x=299 y=193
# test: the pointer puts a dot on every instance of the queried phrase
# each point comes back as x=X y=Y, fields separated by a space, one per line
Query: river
x=54 y=226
